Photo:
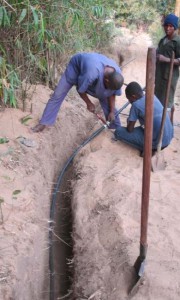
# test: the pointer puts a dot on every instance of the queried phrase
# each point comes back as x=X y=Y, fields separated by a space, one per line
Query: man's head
x=133 y=91
x=113 y=80
x=172 y=20
x=170 y=24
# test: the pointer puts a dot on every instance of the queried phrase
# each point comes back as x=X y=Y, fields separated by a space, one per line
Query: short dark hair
x=116 y=80
x=133 y=88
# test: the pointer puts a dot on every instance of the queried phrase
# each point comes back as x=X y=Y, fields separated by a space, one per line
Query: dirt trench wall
x=32 y=171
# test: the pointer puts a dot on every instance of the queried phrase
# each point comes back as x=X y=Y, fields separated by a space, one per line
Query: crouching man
x=134 y=136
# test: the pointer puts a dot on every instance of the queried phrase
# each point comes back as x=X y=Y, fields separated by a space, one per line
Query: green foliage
x=9 y=81
x=26 y=119
x=156 y=32
x=163 y=7
x=4 y=17
x=4 y=140
x=142 y=12
x=37 y=36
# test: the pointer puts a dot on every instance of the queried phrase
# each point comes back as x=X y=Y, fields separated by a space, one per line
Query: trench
x=60 y=229
x=62 y=241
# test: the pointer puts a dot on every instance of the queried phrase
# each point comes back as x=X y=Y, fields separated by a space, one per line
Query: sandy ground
x=107 y=204
x=106 y=200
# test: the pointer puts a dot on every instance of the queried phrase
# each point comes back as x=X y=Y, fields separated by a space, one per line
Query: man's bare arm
x=130 y=126
x=90 y=105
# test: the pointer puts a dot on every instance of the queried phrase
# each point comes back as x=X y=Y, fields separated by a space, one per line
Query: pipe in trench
x=54 y=199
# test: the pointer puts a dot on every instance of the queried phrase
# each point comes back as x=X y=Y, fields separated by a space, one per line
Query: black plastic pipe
x=54 y=199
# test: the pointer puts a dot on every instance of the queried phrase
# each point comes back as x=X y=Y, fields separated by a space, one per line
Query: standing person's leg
x=170 y=111
x=172 y=95
x=105 y=107
x=134 y=138
x=172 y=114
x=54 y=103
x=170 y=107
x=160 y=92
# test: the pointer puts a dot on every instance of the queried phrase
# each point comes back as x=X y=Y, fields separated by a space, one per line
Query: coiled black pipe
x=54 y=196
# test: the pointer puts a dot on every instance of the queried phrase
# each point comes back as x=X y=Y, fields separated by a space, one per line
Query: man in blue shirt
x=134 y=136
x=93 y=74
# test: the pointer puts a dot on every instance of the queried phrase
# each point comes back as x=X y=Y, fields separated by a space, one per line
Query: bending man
x=93 y=74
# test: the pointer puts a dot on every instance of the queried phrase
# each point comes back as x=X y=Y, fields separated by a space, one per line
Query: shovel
x=150 y=78
x=158 y=162
x=106 y=123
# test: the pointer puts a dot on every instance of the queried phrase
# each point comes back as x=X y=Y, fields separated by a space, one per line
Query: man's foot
x=113 y=140
x=38 y=128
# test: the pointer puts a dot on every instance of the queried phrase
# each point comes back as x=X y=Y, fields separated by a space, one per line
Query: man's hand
x=111 y=117
x=162 y=58
x=91 y=107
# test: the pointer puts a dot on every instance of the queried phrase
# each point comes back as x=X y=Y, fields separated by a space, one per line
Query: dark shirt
x=165 y=48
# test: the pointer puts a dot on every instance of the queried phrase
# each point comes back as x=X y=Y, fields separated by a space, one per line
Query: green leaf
x=18 y=43
x=16 y=192
x=26 y=119
x=42 y=25
x=12 y=99
x=1 y=15
x=6 y=18
x=3 y=140
x=35 y=16
x=5 y=95
x=23 y=14
x=98 y=11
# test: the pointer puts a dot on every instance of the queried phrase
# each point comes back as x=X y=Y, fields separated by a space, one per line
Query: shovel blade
x=139 y=267
x=134 y=289
x=158 y=162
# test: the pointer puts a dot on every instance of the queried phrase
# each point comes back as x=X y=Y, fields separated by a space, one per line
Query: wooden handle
x=150 y=79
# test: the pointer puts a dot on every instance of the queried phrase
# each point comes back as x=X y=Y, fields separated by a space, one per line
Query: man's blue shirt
x=86 y=71
x=137 y=112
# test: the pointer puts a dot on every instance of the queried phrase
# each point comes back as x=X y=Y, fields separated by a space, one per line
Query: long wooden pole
x=150 y=78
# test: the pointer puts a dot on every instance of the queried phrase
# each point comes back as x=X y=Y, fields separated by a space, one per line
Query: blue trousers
x=134 y=138
x=52 y=107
